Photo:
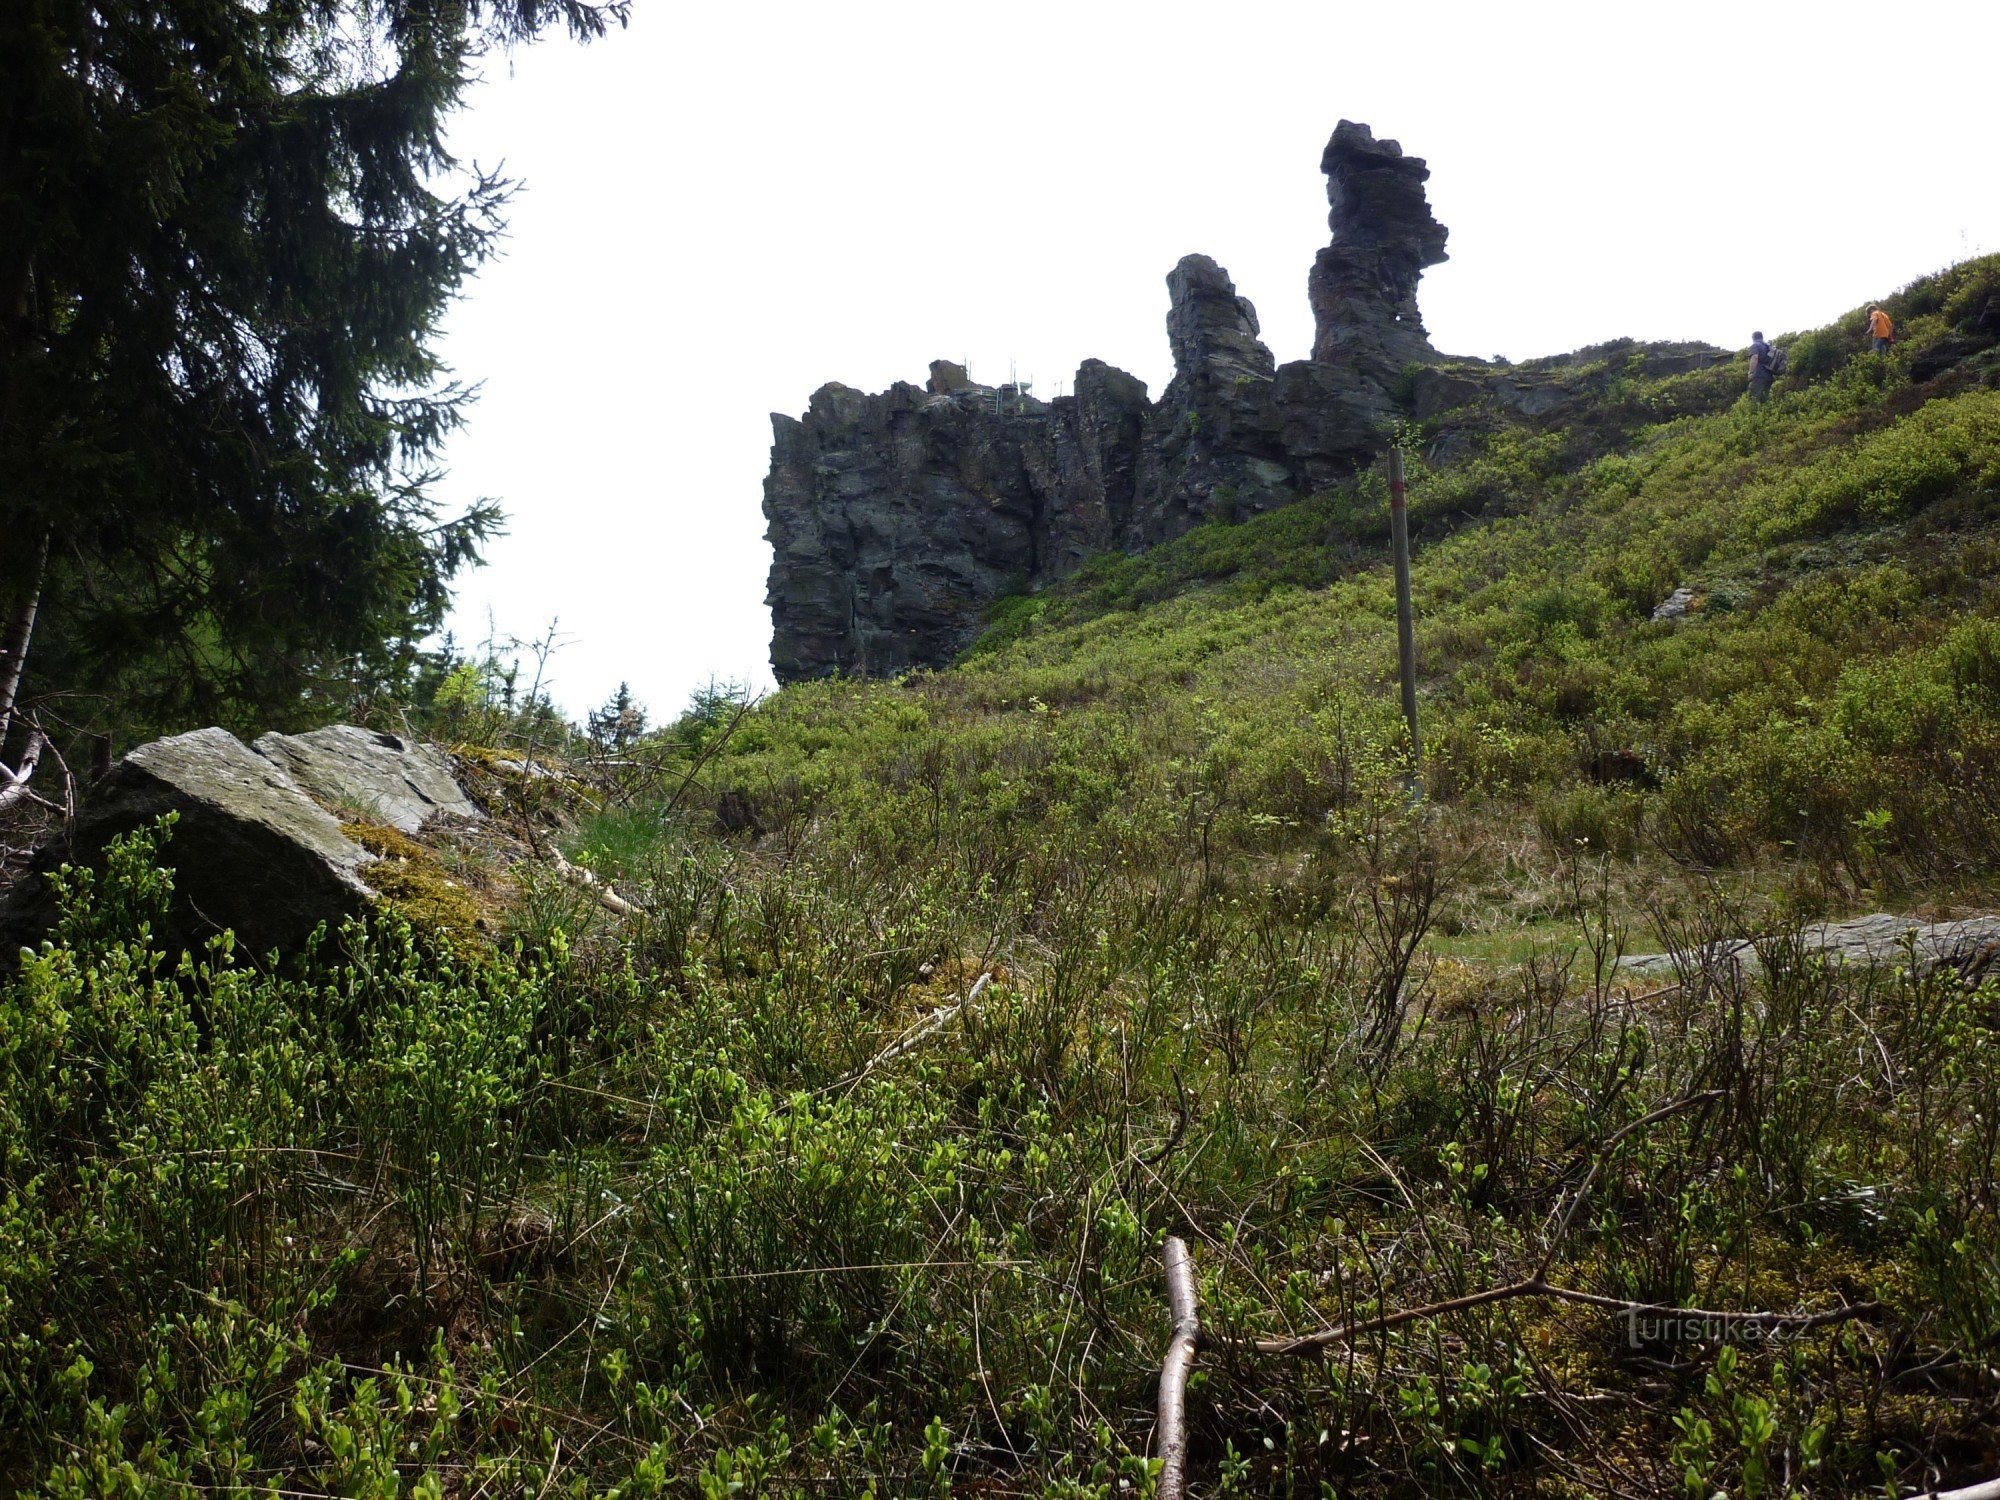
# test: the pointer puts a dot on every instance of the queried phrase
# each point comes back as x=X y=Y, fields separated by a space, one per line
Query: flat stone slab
x=1678 y=605
x=380 y=776
x=250 y=850
x=1878 y=938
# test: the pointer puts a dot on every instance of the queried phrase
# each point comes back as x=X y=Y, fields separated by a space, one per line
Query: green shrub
x=1007 y=620
x=1590 y=820
x=1940 y=449
x=1970 y=656
x=761 y=1191
x=1816 y=355
x=1970 y=301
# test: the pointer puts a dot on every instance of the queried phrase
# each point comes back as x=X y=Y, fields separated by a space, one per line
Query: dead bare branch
x=708 y=752
x=1989 y=1490
x=935 y=1022
x=1312 y=1343
x=1185 y=1311
x=606 y=897
x=1538 y=1285
x=1166 y=1148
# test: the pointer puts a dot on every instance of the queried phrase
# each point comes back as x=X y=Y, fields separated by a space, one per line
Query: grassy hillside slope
x=843 y=1165
x=1829 y=702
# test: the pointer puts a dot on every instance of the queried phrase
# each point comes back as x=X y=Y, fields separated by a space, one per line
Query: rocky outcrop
x=380 y=776
x=1970 y=945
x=254 y=847
x=893 y=517
x=896 y=518
x=1211 y=330
x=1363 y=286
x=249 y=850
x=1678 y=605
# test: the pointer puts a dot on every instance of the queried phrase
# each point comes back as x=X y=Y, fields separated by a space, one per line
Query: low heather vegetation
x=842 y=1164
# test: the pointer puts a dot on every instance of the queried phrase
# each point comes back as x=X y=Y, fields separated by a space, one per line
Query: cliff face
x=895 y=518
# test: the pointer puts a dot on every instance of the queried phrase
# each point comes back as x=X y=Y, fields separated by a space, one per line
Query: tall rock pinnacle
x=1363 y=286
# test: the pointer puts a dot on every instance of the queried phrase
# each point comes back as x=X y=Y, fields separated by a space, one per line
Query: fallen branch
x=1188 y=1337
x=1535 y=1286
x=607 y=898
x=1990 y=1490
x=1538 y=1285
x=1185 y=1311
x=916 y=1035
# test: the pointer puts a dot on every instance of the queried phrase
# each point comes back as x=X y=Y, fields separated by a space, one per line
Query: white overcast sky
x=728 y=205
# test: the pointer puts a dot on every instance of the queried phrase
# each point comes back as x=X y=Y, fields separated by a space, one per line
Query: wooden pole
x=1406 y=630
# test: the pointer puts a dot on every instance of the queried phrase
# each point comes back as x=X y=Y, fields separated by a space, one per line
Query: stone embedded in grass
x=1678 y=605
x=1972 y=944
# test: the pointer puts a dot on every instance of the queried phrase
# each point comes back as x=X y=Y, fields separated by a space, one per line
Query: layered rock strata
x=896 y=518
x=379 y=776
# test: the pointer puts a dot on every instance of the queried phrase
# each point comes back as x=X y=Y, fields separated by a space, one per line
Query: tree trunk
x=15 y=633
x=18 y=626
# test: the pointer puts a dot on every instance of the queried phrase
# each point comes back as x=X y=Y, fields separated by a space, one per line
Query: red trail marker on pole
x=1406 y=630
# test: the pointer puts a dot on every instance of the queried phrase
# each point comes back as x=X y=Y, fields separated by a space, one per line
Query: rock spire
x=1363 y=286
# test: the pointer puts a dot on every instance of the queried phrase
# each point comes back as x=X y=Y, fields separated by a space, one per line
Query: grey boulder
x=1971 y=944
x=380 y=776
x=250 y=850
x=1678 y=605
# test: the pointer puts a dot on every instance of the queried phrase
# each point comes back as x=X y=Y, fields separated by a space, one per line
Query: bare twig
x=708 y=752
x=1166 y=1148
x=543 y=650
x=68 y=808
x=915 y=1036
x=1602 y=1154
x=1185 y=1311
x=1538 y=1285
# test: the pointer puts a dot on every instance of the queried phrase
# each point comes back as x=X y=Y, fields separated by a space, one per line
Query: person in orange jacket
x=1881 y=330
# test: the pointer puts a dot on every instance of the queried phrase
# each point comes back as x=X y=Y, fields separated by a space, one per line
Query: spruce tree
x=228 y=232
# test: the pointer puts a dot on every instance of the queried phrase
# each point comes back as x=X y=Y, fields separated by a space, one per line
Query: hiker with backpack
x=1766 y=365
x=1881 y=330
